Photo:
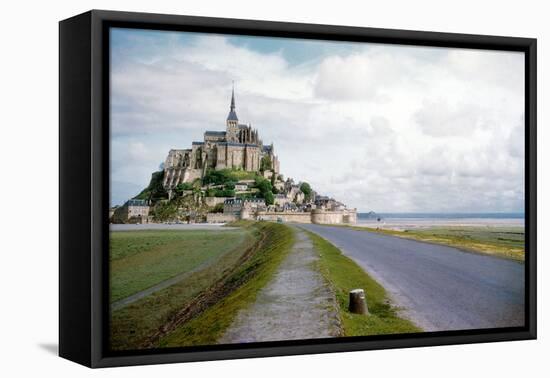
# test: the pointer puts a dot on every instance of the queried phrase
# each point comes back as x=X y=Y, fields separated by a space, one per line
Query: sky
x=384 y=128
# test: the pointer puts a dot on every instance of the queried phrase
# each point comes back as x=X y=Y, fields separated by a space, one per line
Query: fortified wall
x=286 y=217
x=220 y=218
x=346 y=216
x=317 y=216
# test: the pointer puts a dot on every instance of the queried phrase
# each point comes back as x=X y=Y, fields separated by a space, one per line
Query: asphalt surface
x=437 y=287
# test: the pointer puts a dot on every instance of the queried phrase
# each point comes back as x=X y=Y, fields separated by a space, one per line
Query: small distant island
x=230 y=175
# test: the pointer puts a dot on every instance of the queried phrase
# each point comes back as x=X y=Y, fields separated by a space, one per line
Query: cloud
x=164 y=96
x=439 y=118
x=371 y=74
x=380 y=127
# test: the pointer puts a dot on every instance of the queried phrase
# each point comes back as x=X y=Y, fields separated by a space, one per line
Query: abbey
x=238 y=147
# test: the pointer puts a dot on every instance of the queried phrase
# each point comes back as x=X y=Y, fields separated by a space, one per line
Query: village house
x=133 y=211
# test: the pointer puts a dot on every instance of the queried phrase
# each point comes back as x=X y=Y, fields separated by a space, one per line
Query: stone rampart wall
x=220 y=218
x=327 y=217
x=287 y=217
x=213 y=201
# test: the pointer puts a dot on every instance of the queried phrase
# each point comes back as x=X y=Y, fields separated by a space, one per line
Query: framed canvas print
x=235 y=188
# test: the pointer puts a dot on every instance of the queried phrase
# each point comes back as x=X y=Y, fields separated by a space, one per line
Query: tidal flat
x=498 y=240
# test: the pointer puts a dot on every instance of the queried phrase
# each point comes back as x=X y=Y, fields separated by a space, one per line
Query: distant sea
x=406 y=220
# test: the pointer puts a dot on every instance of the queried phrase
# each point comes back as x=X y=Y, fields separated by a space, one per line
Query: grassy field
x=210 y=325
x=141 y=259
x=344 y=275
x=132 y=325
x=508 y=242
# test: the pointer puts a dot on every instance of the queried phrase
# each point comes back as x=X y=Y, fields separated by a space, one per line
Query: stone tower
x=232 y=123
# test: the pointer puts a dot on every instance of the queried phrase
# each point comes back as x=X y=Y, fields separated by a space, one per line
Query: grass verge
x=132 y=326
x=210 y=325
x=141 y=259
x=345 y=275
x=507 y=242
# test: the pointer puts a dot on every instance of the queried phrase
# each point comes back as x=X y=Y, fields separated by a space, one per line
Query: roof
x=136 y=202
x=232 y=116
x=220 y=133
x=197 y=143
x=235 y=144
x=176 y=150
x=231 y=201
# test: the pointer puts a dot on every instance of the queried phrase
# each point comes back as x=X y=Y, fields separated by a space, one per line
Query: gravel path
x=296 y=304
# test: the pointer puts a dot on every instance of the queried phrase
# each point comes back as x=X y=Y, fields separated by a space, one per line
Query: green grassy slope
x=345 y=275
x=210 y=325
x=141 y=259
x=132 y=326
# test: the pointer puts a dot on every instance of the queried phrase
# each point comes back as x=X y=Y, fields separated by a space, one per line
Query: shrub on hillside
x=155 y=190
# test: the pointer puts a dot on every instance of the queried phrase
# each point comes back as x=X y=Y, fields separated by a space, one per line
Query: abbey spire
x=232 y=116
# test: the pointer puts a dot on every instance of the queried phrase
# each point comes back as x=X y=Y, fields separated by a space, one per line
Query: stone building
x=241 y=187
x=238 y=147
x=244 y=208
x=280 y=200
x=133 y=211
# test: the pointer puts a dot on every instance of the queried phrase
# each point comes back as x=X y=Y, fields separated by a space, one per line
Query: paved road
x=296 y=304
x=438 y=287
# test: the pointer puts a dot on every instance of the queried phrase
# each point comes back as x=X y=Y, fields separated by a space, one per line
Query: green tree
x=265 y=163
x=266 y=190
x=306 y=189
x=230 y=185
x=180 y=188
x=269 y=198
x=262 y=184
x=226 y=193
x=214 y=177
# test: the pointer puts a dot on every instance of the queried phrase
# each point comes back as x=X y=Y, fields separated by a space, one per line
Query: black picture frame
x=84 y=186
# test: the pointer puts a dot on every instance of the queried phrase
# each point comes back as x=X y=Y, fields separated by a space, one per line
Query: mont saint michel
x=230 y=175
x=275 y=189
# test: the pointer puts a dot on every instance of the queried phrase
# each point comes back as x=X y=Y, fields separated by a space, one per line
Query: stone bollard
x=357 y=302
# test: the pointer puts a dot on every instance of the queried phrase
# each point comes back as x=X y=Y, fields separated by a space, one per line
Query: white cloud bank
x=383 y=128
